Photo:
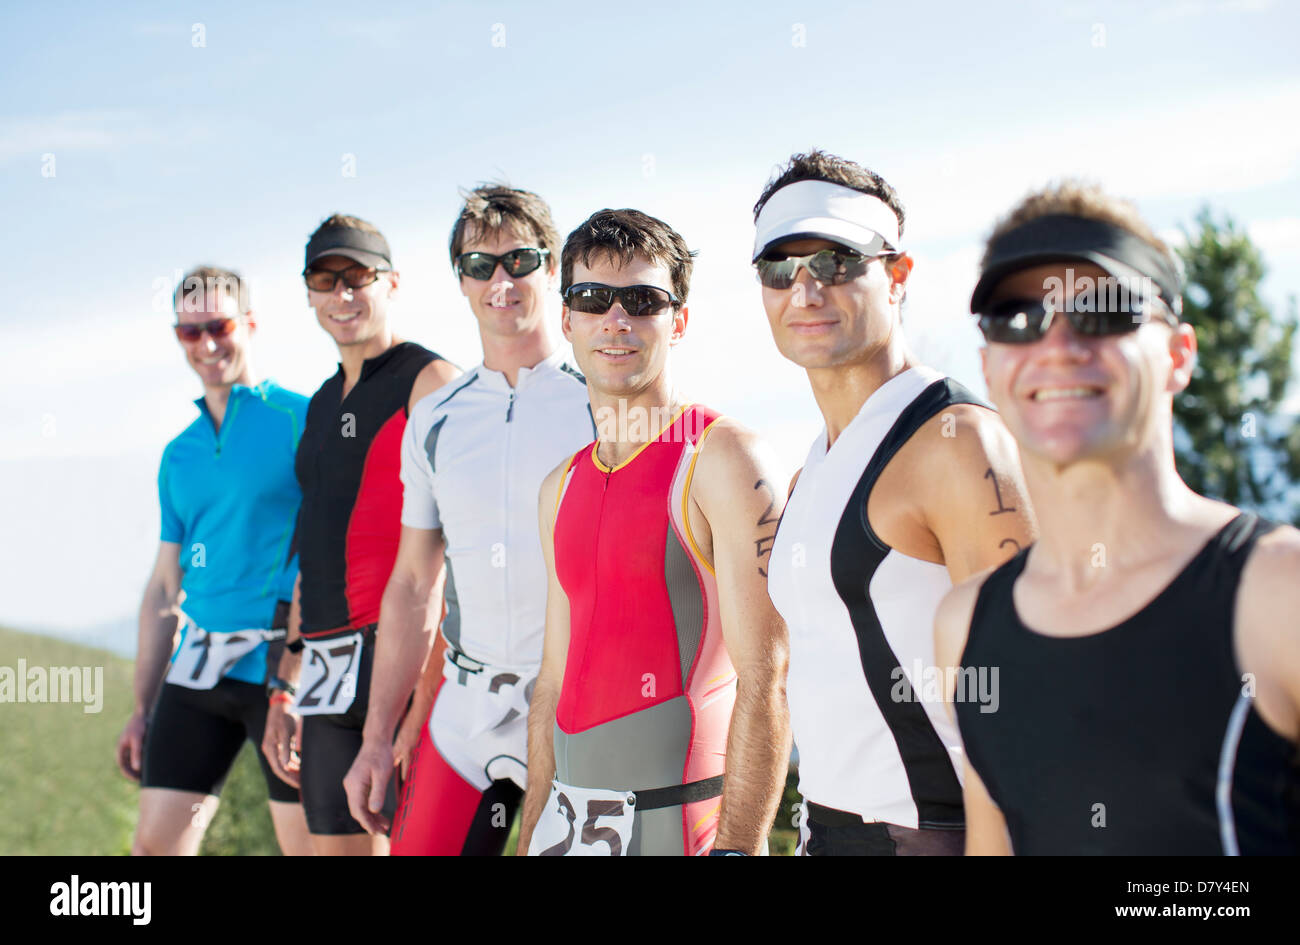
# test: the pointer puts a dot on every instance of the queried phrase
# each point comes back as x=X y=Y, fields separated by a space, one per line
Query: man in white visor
x=913 y=485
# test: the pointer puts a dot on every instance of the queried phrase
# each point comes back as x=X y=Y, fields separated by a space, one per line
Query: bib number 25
x=584 y=822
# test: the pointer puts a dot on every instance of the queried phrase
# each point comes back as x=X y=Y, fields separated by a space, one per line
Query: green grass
x=62 y=793
x=61 y=790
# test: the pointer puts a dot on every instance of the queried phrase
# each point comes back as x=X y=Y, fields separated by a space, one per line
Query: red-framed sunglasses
x=217 y=328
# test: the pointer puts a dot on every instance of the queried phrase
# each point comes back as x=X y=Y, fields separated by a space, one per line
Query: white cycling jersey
x=474 y=455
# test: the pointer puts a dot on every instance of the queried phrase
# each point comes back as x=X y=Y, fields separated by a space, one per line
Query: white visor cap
x=818 y=209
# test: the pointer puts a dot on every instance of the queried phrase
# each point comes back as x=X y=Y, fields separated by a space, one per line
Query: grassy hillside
x=61 y=792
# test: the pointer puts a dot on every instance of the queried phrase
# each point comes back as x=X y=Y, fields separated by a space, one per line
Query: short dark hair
x=493 y=208
x=195 y=286
x=819 y=165
x=623 y=234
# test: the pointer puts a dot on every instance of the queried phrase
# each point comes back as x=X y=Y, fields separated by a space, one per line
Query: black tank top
x=1137 y=740
x=349 y=465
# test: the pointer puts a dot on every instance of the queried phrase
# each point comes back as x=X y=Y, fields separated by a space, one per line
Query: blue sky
x=167 y=152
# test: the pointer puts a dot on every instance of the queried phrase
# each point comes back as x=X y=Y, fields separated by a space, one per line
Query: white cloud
x=67 y=131
x=1277 y=237
x=1223 y=144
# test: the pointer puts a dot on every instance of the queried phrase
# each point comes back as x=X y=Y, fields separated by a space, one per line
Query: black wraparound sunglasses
x=1022 y=321
x=596 y=298
x=517 y=262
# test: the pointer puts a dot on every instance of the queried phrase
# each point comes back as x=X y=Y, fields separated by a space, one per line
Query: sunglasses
x=354 y=277
x=517 y=262
x=1023 y=321
x=595 y=298
x=826 y=266
x=217 y=328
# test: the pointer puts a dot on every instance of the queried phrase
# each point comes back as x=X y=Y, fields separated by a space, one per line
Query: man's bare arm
x=158 y=622
x=975 y=501
x=407 y=621
x=402 y=643
x=1268 y=631
x=986 y=829
x=155 y=638
x=739 y=495
x=426 y=691
x=555 y=652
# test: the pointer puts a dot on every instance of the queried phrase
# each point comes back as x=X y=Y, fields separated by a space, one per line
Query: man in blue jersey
x=229 y=500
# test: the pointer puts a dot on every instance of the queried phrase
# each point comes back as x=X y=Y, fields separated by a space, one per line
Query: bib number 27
x=329 y=675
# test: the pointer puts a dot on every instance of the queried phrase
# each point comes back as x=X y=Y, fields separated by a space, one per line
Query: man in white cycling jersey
x=473 y=457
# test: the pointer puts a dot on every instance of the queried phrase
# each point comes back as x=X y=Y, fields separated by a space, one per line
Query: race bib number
x=329 y=675
x=584 y=822
x=204 y=658
x=503 y=696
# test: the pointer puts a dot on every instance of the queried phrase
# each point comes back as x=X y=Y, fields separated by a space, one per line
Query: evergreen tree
x=1232 y=442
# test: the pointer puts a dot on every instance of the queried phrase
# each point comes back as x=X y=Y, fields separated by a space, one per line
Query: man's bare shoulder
x=963 y=434
x=1270 y=589
x=732 y=457
x=435 y=375
x=548 y=493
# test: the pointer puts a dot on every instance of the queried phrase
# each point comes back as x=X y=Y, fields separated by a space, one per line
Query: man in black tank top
x=348 y=528
x=1144 y=651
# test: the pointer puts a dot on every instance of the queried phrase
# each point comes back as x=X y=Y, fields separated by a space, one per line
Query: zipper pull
x=510 y=409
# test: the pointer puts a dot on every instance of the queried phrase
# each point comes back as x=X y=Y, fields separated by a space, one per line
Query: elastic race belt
x=296 y=646
x=678 y=794
x=461 y=661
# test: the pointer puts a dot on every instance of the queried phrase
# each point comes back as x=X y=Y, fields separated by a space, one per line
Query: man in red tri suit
x=663 y=666
x=348 y=466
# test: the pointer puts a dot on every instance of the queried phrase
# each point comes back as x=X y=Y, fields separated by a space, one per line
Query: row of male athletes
x=981 y=625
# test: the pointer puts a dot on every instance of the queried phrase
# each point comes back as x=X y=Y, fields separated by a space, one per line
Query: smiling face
x=825 y=326
x=622 y=355
x=219 y=362
x=1069 y=398
x=352 y=316
x=505 y=305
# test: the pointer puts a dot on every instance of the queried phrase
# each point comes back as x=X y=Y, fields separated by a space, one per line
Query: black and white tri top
x=861 y=620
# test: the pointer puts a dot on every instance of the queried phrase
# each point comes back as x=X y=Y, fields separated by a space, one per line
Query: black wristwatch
x=276 y=684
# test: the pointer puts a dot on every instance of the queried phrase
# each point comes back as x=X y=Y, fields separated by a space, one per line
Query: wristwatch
x=276 y=684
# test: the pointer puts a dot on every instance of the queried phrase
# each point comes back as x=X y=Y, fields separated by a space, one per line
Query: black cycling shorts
x=330 y=743
x=194 y=736
x=838 y=833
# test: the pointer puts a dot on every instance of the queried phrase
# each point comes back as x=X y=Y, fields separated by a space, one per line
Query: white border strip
x=1228 y=761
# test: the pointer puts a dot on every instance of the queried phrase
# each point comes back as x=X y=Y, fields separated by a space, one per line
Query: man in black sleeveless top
x=349 y=526
x=1145 y=651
